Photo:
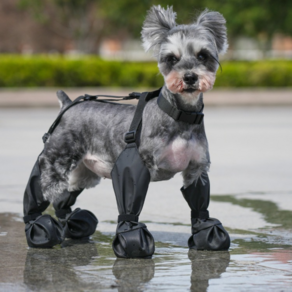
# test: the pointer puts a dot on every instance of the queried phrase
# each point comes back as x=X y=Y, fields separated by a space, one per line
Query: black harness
x=189 y=117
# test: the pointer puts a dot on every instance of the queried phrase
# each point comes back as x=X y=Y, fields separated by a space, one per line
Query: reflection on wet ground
x=259 y=260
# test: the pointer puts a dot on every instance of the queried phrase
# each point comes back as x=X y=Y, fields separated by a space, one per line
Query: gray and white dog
x=90 y=136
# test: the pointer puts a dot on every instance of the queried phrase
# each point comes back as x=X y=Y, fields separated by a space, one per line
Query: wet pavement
x=251 y=190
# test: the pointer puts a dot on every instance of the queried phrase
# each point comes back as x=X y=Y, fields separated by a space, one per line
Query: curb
x=46 y=97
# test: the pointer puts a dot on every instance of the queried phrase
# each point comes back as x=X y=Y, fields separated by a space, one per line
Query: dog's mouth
x=190 y=90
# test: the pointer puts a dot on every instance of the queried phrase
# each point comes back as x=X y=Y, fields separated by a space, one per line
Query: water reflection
x=132 y=274
x=79 y=267
x=53 y=269
x=207 y=265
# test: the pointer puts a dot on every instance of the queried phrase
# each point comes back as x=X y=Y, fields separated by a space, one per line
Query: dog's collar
x=180 y=115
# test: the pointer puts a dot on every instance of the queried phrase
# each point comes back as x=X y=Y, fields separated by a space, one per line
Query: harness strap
x=180 y=115
x=88 y=97
x=133 y=134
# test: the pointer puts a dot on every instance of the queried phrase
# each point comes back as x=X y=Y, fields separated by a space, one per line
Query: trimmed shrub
x=58 y=71
x=255 y=74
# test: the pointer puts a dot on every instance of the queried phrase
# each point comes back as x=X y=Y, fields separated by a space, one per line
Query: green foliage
x=35 y=71
x=79 y=22
x=255 y=74
x=250 y=18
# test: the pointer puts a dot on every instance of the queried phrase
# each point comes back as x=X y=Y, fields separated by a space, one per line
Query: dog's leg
x=77 y=224
x=41 y=230
x=207 y=233
x=45 y=231
x=130 y=181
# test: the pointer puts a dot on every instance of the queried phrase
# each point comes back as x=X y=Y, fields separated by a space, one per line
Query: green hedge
x=274 y=73
x=34 y=71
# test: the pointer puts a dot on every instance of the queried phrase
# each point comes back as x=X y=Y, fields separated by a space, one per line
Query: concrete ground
x=251 y=190
x=46 y=97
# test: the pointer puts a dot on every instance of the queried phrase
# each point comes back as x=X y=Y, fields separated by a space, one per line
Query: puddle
x=269 y=210
x=252 y=264
x=259 y=259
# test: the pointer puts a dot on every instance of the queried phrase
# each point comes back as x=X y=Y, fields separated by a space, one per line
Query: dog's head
x=187 y=55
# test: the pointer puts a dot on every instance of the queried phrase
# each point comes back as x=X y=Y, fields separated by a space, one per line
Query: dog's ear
x=215 y=23
x=158 y=23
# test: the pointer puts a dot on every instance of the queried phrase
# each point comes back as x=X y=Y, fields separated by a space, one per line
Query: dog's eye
x=202 y=56
x=171 y=59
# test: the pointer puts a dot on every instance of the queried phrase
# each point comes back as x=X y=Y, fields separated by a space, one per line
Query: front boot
x=207 y=233
x=130 y=179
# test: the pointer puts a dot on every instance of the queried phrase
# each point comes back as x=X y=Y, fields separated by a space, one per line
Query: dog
x=90 y=137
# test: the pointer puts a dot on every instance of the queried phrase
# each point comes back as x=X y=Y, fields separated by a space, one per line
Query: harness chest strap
x=180 y=115
x=132 y=135
x=175 y=113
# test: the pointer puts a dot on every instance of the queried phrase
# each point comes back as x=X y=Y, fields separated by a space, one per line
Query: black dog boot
x=133 y=240
x=77 y=224
x=41 y=230
x=207 y=233
x=130 y=181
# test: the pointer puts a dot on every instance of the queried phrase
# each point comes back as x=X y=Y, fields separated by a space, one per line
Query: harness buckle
x=130 y=137
x=89 y=97
x=133 y=95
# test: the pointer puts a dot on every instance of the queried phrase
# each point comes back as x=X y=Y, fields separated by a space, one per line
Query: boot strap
x=203 y=214
x=128 y=217
x=31 y=217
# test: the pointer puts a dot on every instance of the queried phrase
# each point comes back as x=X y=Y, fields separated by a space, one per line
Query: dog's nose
x=190 y=78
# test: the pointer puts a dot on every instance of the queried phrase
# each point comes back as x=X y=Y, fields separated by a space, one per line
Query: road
x=251 y=191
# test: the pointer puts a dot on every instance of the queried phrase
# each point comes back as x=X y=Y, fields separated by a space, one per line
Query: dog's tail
x=63 y=99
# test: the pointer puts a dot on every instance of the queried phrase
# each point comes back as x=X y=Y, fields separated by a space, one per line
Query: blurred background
x=94 y=46
x=77 y=43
